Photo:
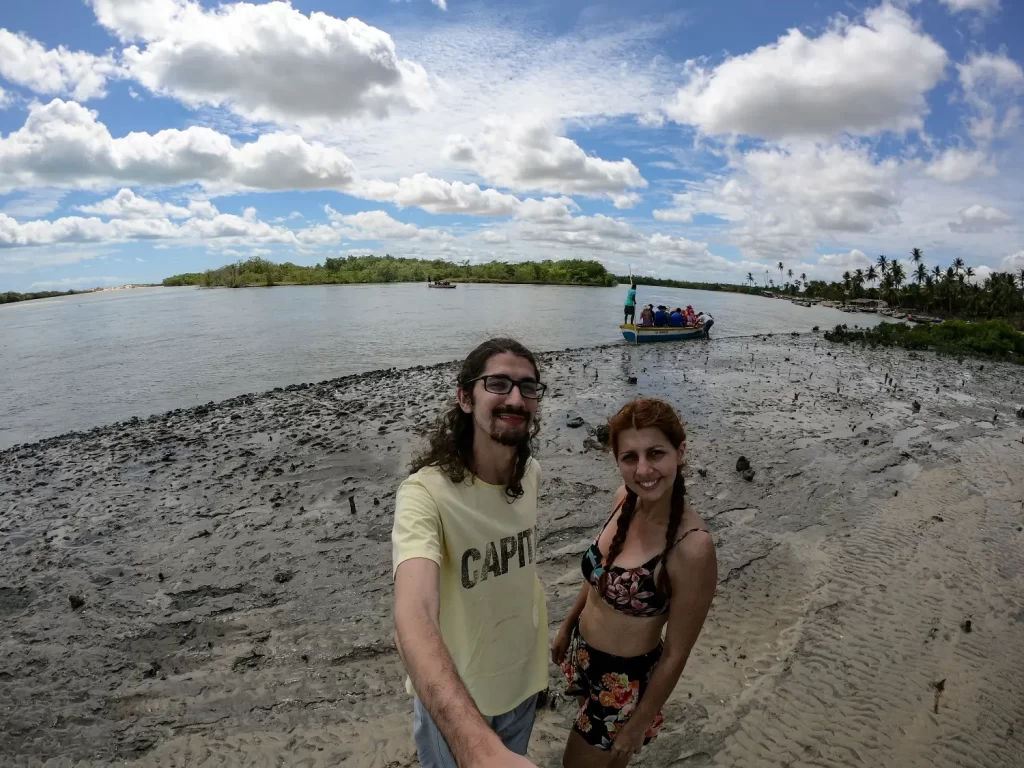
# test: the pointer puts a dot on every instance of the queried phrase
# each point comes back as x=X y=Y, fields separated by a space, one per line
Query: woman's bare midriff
x=612 y=631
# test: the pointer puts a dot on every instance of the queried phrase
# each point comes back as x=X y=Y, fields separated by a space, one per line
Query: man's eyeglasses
x=502 y=385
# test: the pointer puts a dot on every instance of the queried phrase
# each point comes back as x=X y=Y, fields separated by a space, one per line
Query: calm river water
x=80 y=361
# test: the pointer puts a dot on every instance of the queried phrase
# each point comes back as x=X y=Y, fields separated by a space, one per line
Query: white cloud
x=1013 y=263
x=674 y=214
x=378 y=225
x=981 y=6
x=529 y=156
x=853 y=260
x=990 y=71
x=442 y=197
x=625 y=200
x=991 y=83
x=127 y=205
x=63 y=144
x=78 y=74
x=203 y=209
x=264 y=61
x=980 y=218
x=75 y=229
x=442 y=4
x=858 y=78
x=5 y=99
x=780 y=202
x=956 y=165
x=70 y=283
x=493 y=237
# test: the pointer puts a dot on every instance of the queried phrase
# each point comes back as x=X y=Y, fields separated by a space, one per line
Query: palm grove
x=953 y=292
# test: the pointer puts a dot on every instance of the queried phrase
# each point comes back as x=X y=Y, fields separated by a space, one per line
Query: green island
x=391 y=269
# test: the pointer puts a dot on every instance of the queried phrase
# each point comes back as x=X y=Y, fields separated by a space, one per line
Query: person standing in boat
x=651 y=569
x=630 y=307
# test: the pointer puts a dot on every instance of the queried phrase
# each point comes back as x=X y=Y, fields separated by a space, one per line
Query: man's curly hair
x=450 y=446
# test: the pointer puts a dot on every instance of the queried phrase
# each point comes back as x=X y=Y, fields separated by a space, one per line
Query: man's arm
x=433 y=673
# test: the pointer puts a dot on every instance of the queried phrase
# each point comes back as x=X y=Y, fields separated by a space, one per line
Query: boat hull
x=450 y=287
x=654 y=335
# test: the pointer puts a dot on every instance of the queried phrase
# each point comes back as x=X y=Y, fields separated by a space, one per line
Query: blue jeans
x=514 y=729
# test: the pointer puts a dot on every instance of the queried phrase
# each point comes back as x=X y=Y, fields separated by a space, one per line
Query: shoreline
x=234 y=610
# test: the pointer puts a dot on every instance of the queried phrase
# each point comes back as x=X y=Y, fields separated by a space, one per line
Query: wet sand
x=212 y=586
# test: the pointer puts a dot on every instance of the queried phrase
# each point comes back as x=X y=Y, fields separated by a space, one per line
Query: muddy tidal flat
x=212 y=586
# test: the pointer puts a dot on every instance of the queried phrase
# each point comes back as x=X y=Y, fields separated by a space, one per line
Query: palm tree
x=958 y=265
x=847 y=280
x=920 y=273
x=803 y=277
x=896 y=276
x=916 y=256
x=871 y=275
x=780 y=268
x=883 y=264
x=750 y=277
x=949 y=280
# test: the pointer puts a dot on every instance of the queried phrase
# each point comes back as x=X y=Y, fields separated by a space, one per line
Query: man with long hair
x=470 y=617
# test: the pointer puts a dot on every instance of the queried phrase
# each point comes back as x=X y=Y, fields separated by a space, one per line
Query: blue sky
x=706 y=141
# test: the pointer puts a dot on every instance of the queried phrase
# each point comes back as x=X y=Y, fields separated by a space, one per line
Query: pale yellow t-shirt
x=493 y=615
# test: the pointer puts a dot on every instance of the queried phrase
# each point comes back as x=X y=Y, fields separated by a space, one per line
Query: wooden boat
x=449 y=285
x=647 y=335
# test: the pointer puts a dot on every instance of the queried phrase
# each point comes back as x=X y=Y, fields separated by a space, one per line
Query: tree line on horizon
x=391 y=269
x=948 y=292
x=9 y=297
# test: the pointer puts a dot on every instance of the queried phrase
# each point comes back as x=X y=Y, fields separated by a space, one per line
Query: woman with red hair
x=651 y=571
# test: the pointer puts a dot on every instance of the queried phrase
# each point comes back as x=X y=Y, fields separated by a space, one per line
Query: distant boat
x=647 y=335
x=441 y=285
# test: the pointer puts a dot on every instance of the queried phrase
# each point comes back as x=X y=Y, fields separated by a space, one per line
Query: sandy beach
x=212 y=586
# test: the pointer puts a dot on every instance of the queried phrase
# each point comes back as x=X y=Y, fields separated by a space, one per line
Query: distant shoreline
x=14 y=297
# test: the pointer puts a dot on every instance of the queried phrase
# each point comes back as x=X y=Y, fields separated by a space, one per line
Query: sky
x=674 y=138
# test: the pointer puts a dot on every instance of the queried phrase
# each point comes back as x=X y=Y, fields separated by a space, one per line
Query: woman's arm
x=693 y=573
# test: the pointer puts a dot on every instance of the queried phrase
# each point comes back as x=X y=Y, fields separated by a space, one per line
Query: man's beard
x=507 y=434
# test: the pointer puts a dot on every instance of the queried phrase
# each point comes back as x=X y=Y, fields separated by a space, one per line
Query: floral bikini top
x=633 y=591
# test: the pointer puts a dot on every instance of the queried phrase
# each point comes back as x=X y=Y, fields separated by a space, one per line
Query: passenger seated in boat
x=661 y=316
x=677 y=320
x=691 y=319
x=647 y=316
